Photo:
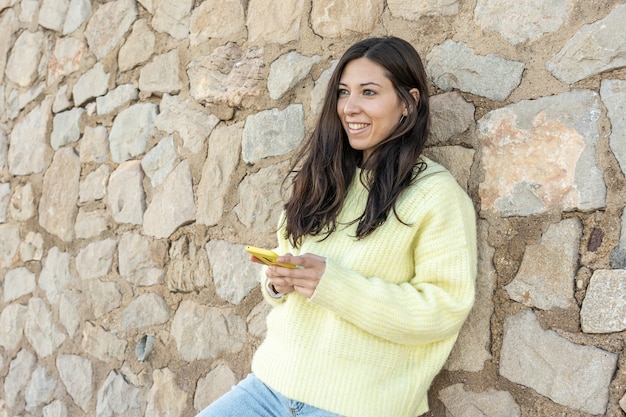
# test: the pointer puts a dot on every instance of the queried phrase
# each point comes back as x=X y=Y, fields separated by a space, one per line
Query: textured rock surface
x=144 y=143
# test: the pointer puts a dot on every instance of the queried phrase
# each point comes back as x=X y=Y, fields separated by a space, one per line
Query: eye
x=343 y=92
x=369 y=92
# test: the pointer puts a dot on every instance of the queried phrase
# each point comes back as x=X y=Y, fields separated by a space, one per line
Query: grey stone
x=233 y=274
x=9 y=244
x=146 y=310
x=61 y=99
x=90 y=223
x=131 y=130
x=52 y=14
x=218 y=172
x=7 y=3
x=8 y=24
x=491 y=403
x=613 y=93
x=28 y=10
x=77 y=13
x=159 y=161
x=257 y=326
x=552 y=366
x=139 y=46
x=40 y=389
x=4 y=140
x=70 y=311
x=172 y=205
x=101 y=344
x=193 y=126
x=116 y=98
x=55 y=409
x=117 y=397
x=94 y=145
x=31 y=248
x=195 y=323
x=29 y=152
x=287 y=71
x=416 y=9
x=5 y=193
x=618 y=254
x=57 y=207
x=336 y=18
x=272 y=132
x=521 y=21
x=65 y=59
x=172 y=17
x=22 y=204
x=66 y=127
x=104 y=297
x=93 y=83
x=76 y=373
x=93 y=187
x=161 y=75
x=40 y=329
x=227 y=76
x=217 y=19
x=595 y=48
x=451 y=115
x=56 y=275
x=18 y=282
x=457 y=159
x=95 y=259
x=260 y=200
x=126 y=198
x=165 y=397
x=319 y=88
x=604 y=306
x=455 y=65
x=217 y=383
x=21 y=67
x=545 y=279
x=136 y=258
x=547 y=147
x=12 y=320
x=108 y=25
x=20 y=371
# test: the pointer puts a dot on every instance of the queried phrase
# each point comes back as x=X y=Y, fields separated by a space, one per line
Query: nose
x=351 y=105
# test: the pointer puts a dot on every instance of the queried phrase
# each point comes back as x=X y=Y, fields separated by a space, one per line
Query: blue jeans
x=252 y=398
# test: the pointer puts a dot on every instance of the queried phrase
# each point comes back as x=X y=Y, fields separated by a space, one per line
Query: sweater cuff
x=271 y=291
x=329 y=289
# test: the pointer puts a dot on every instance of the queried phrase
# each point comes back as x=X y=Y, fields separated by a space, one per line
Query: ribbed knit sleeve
x=434 y=303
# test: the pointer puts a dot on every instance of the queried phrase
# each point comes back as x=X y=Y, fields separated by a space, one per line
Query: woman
x=385 y=244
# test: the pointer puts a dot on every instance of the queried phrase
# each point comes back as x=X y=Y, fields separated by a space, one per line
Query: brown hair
x=327 y=163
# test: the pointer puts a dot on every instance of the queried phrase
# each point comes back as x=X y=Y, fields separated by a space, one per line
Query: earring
x=402 y=119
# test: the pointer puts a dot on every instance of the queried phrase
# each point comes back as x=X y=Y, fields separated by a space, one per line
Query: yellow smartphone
x=267 y=257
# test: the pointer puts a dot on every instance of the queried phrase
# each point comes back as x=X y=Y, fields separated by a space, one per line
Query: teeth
x=356 y=126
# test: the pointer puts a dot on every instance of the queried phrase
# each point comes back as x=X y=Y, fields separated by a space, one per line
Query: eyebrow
x=362 y=84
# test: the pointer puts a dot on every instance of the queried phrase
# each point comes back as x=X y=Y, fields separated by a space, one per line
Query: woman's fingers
x=304 y=279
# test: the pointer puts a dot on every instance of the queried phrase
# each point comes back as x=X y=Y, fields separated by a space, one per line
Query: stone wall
x=143 y=144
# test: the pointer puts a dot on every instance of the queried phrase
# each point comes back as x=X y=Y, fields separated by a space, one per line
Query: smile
x=357 y=126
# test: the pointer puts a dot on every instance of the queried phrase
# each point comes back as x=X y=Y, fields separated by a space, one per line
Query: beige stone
x=335 y=18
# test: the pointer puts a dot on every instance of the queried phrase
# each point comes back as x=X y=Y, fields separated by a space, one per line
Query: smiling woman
x=368 y=105
x=384 y=241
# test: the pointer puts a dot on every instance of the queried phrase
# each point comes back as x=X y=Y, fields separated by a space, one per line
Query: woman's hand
x=303 y=280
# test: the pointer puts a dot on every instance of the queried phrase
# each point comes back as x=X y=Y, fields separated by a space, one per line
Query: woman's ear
x=415 y=93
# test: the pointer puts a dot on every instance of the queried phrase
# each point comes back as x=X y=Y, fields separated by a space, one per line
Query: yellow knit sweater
x=387 y=310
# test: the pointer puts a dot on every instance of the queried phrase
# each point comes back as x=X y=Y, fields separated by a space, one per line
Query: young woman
x=385 y=244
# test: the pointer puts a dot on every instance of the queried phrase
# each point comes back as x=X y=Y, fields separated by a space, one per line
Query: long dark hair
x=326 y=165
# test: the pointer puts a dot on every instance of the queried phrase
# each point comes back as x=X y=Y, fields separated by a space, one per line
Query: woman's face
x=368 y=105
